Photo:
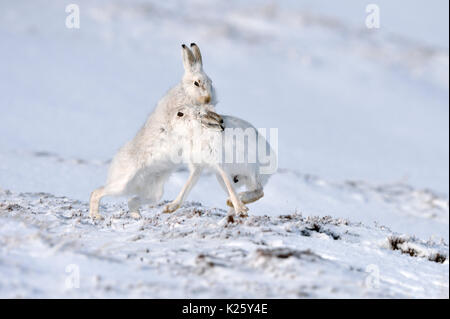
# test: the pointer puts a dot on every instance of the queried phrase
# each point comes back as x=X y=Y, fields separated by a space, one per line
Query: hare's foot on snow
x=96 y=216
x=171 y=207
x=231 y=216
x=242 y=212
x=239 y=209
x=135 y=215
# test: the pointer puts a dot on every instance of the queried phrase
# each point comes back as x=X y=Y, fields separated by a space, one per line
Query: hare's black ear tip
x=183 y=46
x=193 y=44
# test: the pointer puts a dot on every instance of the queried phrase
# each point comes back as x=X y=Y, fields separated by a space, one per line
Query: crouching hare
x=235 y=160
x=142 y=166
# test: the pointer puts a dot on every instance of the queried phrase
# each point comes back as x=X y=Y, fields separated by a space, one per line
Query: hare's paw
x=241 y=210
x=171 y=207
x=213 y=121
x=228 y=219
x=96 y=216
x=215 y=116
x=243 y=213
x=135 y=215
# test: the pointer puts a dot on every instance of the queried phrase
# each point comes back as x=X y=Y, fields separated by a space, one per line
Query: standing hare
x=203 y=147
x=142 y=166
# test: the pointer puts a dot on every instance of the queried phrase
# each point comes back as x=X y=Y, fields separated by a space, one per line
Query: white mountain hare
x=235 y=160
x=141 y=167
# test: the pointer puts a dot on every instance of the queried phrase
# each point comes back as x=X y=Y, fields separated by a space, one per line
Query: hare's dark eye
x=180 y=114
x=196 y=83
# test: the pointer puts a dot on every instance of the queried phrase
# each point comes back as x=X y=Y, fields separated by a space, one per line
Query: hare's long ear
x=198 y=56
x=188 y=58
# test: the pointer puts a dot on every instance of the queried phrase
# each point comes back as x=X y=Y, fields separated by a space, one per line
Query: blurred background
x=362 y=114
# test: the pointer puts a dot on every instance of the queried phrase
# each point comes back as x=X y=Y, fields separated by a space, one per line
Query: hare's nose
x=207 y=99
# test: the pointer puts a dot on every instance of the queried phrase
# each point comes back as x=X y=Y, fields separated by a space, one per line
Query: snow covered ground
x=358 y=208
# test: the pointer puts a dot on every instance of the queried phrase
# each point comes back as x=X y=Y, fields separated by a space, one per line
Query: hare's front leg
x=238 y=206
x=192 y=180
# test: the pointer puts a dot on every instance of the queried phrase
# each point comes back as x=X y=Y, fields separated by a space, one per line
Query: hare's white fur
x=142 y=166
x=209 y=153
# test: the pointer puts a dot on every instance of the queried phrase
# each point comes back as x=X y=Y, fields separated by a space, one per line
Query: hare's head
x=195 y=82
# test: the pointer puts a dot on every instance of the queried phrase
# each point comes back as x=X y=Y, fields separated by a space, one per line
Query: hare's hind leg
x=99 y=193
x=94 y=202
x=150 y=192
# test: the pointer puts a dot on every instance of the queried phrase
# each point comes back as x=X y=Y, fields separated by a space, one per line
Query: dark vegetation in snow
x=404 y=246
